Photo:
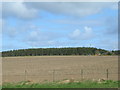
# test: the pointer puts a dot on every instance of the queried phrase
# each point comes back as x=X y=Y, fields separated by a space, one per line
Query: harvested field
x=53 y=68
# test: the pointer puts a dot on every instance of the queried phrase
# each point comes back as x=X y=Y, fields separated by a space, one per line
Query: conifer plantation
x=59 y=51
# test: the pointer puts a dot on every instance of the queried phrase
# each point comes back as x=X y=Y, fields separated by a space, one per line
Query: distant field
x=53 y=68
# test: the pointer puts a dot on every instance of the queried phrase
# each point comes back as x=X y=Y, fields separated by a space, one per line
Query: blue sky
x=55 y=24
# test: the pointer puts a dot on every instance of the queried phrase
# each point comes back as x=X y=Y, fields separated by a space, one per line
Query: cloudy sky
x=59 y=24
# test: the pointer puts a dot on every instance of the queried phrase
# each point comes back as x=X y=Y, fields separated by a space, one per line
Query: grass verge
x=83 y=84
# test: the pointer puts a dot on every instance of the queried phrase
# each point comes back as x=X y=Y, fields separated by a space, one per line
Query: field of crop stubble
x=53 y=68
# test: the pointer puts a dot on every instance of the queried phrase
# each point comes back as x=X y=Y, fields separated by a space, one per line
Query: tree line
x=59 y=51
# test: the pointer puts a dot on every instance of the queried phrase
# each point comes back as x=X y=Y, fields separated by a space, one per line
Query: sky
x=59 y=24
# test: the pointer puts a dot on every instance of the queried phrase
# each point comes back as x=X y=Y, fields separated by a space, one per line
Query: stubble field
x=54 y=68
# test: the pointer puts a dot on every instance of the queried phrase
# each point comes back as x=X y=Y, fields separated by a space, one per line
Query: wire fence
x=56 y=75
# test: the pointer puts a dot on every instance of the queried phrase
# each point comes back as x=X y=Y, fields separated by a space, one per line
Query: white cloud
x=88 y=32
x=18 y=9
x=37 y=35
x=34 y=34
x=76 y=33
x=72 y=8
x=28 y=10
x=82 y=35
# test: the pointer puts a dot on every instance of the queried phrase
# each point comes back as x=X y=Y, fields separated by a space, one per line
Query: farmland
x=54 y=68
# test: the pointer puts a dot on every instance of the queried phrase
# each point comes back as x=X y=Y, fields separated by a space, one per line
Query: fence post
x=82 y=74
x=107 y=73
x=25 y=75
x=53 y=75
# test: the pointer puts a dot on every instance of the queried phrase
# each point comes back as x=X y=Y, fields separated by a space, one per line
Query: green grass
x=84 y=84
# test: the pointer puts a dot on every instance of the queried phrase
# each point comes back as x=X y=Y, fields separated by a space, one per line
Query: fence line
x=55 y=75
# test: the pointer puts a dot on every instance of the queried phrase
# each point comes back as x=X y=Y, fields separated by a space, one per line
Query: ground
x=53 y=68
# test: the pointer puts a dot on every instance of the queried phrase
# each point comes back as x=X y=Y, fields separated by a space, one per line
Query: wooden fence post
x=107 y=74
x=53 y=75
x=82 y=74
x=25 y=75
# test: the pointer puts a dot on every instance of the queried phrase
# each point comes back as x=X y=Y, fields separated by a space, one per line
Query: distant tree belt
x=59 y=51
